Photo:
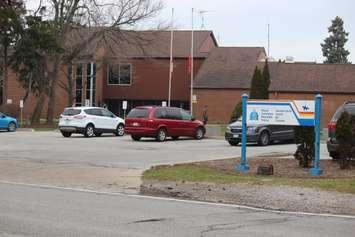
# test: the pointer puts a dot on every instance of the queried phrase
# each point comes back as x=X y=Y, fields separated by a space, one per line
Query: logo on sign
x=305 y=107
x=254 y=116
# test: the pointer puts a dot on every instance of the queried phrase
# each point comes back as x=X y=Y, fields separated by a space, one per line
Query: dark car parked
x=332 y=143
x=162 y=122
x=262 y=134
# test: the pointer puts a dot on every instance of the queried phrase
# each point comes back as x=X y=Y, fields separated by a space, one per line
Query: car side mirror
x=2 y=116
x=193 y=119
x=113 y=116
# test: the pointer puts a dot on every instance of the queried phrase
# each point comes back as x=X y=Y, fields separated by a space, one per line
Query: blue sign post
x=243 y=166
x=316 y=170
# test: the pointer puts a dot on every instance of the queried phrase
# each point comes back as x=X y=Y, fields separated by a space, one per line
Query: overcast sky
x=297 y=27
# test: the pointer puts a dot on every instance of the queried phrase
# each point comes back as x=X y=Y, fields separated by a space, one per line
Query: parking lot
x=122 y=151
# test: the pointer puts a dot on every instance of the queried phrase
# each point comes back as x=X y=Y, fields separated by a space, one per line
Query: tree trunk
x=36 y=116
x=52 y=92
x=4 y=79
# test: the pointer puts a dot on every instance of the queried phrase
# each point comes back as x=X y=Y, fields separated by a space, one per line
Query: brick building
x=220 y=84
x=134 y=67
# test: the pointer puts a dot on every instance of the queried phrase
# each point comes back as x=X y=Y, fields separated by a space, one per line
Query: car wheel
x=11 y=127
x=98 y=134
x=175 y=137
x=135 y=137
x=200 y=133
x=264 y=139
x=66 y=134
x=120 y=130
x=233 y=143
x=89 y=130
x=161 y=136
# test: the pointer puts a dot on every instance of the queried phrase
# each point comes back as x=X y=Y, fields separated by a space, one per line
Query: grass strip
x=194 y=173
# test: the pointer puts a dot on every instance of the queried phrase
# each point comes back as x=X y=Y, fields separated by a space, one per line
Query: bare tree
x=107 y=17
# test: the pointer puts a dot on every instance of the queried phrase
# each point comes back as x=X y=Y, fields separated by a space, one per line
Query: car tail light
x=79 y=116
x=332 y=127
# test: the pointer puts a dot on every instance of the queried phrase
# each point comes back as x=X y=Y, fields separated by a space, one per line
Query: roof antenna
x=268 y=40
x=202 y=14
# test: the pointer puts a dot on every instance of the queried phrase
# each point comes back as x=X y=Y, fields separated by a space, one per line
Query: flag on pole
x=189 y=65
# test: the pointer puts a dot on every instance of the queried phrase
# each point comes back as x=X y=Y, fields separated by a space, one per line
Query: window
x=185 y=115
x=160 y=113
x=350 y=109
x=79 y=85
x=88 y=79
x=71 y=112
x=96 y=112
x=107 y=113
x=119 y=74
x=173 y=113
x=138 y=113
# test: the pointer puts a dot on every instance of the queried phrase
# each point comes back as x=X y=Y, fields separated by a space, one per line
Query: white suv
x=90 y=121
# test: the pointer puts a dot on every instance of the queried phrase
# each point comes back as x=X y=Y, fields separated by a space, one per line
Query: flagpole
x=171 y=54
x=192 y=60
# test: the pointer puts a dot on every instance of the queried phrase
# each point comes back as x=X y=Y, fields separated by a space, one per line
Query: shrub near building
x=345 y=132
x=259 y=89
x=305 y=145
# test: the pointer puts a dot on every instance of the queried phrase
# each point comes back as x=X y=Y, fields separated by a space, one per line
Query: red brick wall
x=16 y=93
x=220 y=102
x=330 y=101
x=150 y=80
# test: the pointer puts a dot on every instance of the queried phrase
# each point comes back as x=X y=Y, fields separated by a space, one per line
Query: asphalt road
x=122 y=151
x=33 y=211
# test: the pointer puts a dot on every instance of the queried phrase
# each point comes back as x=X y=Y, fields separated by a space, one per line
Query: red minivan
x=162 y=122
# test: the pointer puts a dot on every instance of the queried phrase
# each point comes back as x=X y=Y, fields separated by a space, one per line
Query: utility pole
x=171 y=66
x=192 y=61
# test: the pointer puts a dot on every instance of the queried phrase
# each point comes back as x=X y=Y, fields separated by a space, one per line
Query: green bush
x=345 y=137
x=305 y=145
x=237 y=112
x=259 y=89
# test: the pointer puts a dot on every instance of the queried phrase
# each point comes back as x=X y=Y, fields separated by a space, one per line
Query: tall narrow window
x=88 y=80
x=79 y=85
x=119 y=74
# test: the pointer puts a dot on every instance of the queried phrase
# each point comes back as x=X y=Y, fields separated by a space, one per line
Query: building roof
x=131 y=44
x=312 y=77
x=229 y=67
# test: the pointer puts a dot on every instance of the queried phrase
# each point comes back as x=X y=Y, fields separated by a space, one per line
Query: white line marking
x=178 y=200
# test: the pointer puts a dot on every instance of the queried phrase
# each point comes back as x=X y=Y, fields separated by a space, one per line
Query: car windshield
x=138 y=113
x=71 y=112
x=349 y=109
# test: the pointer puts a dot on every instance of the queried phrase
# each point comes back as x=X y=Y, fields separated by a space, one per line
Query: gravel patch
x=268 y=197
